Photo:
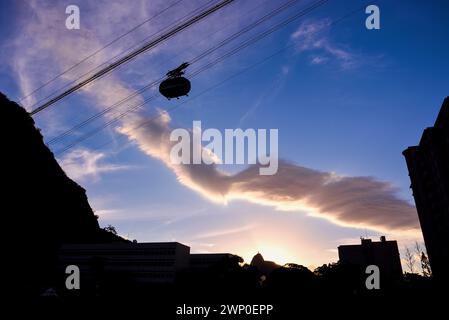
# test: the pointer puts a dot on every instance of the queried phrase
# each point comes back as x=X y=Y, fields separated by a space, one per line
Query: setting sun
x=276 y=254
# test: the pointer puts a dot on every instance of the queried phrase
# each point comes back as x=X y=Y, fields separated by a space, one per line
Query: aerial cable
x=99 y=50
x=194 y=60
x=133 y=54
x=347 y=15
x=122 y=53
x=198 y=71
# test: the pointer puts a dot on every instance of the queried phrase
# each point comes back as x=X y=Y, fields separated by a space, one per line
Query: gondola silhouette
x=175 y=85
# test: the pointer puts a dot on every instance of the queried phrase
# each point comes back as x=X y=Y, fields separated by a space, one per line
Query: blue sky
x=346 y=101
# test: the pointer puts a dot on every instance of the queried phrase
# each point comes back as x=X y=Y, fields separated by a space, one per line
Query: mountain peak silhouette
x=264 y=266
x=42 y=206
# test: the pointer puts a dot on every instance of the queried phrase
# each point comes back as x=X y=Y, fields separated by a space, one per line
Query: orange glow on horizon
x=276 y=254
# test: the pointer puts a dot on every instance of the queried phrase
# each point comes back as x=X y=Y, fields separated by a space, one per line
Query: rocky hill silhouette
x=42 y=206
x=264 y=266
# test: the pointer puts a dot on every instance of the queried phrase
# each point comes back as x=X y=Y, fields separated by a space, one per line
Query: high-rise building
x=384 y=254
x=428 y=166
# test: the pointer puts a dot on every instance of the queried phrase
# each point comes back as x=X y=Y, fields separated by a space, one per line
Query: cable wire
x=122 y=53
x=216 y=85
x=201 y=69
x=196 y=59
x=100 y=49
x=133 y=54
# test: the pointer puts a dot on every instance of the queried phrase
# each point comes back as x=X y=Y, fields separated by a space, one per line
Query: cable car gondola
x=175 y=85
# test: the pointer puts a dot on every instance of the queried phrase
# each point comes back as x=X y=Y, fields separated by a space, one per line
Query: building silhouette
x=203 y=261
x=156 y=262
x=428 y=166
x=138 y=263
x=383 y=253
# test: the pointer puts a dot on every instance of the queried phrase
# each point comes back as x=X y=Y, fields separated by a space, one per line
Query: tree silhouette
x=409 y=260
x=110 y=228
x=425 y=265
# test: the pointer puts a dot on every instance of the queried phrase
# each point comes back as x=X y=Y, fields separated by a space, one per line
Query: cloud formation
x=82 y=164
x=362 y=202
x=310 y=37
x=45 y=47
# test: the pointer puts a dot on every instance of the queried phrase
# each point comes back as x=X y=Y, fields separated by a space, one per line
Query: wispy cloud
x=362 y=202
x=311 y=37
x=224 y=232
x=82 y=164
x=267 y=95
x=318 y=60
